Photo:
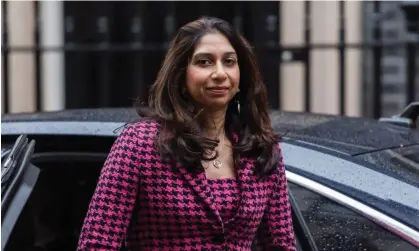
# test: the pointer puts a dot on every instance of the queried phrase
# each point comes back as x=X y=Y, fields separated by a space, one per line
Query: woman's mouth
x=218 y=90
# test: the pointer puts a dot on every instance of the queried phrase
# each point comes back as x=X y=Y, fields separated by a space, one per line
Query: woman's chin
x=219 y=103
x=217 y=106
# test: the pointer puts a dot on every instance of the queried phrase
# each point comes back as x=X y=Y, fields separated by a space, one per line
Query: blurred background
x=352 y=58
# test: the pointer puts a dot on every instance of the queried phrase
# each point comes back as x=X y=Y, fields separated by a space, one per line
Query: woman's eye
x=230 y=61
x=204 y=62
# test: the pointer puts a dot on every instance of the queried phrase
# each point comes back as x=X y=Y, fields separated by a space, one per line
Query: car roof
x=349 y=135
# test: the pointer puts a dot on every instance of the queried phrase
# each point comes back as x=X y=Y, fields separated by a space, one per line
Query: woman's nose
x=219 y=72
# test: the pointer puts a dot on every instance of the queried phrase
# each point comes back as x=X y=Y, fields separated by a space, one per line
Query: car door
x=18 y=178
x=336 y=227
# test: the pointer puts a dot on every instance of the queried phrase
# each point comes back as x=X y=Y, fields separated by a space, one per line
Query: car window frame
x=301 y=230
x=392 y=225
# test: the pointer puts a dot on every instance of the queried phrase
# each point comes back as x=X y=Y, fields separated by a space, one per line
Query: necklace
x=218 y=163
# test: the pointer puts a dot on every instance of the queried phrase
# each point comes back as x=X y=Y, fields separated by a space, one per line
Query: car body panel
x=392 y=196
x=334 y=218
x=390 y=161
x=81 y=128
x=350 y=135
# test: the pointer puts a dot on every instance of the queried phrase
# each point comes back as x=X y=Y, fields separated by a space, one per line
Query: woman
x=204 y=170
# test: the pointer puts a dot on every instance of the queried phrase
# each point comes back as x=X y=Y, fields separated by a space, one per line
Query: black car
x=354 y=183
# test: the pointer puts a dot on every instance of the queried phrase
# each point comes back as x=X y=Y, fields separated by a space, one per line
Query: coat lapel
x=199 y=184
x=244 y=174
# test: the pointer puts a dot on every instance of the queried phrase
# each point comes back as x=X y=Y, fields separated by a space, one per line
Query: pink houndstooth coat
x=152 y=205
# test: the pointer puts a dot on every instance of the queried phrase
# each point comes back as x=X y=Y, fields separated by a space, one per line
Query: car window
x=335 y=227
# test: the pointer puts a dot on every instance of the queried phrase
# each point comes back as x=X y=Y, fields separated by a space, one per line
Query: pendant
x=217 y=163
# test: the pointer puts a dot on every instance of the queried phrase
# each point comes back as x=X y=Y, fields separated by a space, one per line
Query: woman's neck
x=214 y=124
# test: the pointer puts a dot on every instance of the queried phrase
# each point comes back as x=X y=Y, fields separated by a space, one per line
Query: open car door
x=18 y=178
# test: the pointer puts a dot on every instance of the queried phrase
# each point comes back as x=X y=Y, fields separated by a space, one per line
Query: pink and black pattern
x=226 y=194
x=276 y=228
x=149 y=204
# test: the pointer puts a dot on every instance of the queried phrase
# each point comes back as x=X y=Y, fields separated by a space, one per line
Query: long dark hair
x=180 y=136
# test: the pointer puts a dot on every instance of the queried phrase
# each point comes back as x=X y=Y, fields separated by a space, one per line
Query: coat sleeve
x=276 y=230
x=112 y=203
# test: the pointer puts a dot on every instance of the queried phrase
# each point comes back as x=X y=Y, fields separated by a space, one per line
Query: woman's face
x=213 y=74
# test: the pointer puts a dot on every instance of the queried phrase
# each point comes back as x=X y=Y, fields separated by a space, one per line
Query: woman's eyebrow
x=202 y=54
x=206 y=54
x=230 y=53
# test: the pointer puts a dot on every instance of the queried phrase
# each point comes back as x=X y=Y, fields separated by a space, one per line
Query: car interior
x=53 y=215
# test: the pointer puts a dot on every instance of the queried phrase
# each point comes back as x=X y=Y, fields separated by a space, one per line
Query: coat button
x=219 y=239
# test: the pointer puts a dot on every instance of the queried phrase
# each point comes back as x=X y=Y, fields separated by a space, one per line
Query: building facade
x=105 y=54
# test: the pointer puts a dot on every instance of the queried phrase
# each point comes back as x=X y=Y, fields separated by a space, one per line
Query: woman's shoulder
x=146 y=124
x=141 y=130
